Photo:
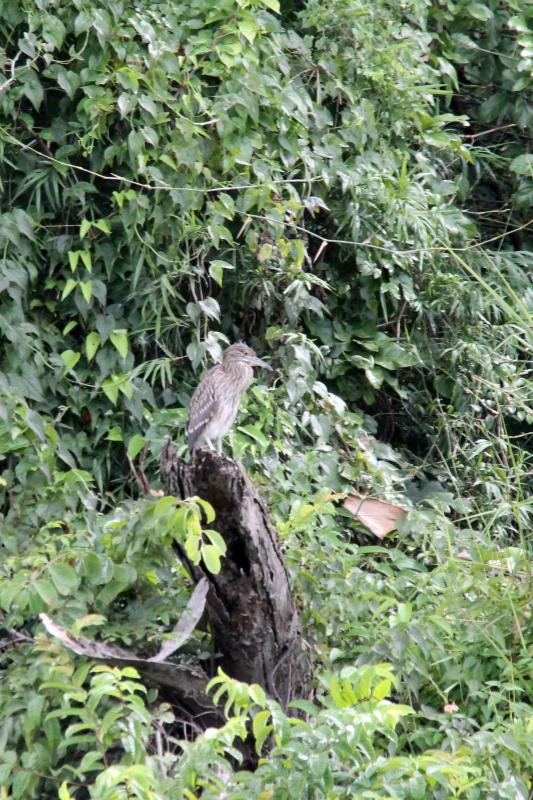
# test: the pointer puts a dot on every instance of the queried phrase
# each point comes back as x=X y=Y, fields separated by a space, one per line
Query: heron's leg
x=209 y=443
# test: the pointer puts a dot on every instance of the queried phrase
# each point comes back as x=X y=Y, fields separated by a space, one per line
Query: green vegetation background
x=347 y=186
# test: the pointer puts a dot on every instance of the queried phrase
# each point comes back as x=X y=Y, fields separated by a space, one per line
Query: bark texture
x=250 y=605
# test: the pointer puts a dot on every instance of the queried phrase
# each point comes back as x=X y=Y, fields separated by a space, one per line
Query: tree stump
x=250 y=606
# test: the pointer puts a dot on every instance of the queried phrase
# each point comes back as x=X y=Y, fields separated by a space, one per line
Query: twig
x=163 y=186
x=348 y=242
x=142 y=476
x=366 y=243
x=490 y=130
x=14 y=634
x=12 y=72
x=138 y=474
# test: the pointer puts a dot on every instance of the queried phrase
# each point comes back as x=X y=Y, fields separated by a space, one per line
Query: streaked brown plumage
x=215 y=402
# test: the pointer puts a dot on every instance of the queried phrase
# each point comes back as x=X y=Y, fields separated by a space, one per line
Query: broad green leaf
x=46 y=591
x=216 y=540
x=85 y=227
x=382 y=689
x=261 y=729
x=120 y=340
x=91 y=761
x=216 y=270
x=110 y=389
x=211 y=558
x=207 y=508
x=75 y=476
x=86 y=290
x=115 y=434
x=70 y=285
x=64 y=577
x=257 y=694
x=135 y=445
x=73 y=258
x=88 y=621
x=63 y=793
x=479 y=11
x=272 y=4
x=126 y=387
x=69 y=326
x=94 y=567
x=523 y=165
x=102 y=225
x=192 y=548
x=92 y=343
x=33 y=89
x=70 y=359
x=85 y=256
x=216 y=273
x=249 y=28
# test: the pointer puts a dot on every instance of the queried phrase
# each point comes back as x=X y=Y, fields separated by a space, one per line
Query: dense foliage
x=347 y=187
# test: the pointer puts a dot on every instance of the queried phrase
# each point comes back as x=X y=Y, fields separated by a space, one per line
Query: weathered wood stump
x=250 y=605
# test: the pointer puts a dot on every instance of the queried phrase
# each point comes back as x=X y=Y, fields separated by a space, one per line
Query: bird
x=216 y=399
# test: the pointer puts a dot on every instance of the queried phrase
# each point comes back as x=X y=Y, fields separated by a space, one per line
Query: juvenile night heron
x=215 y=402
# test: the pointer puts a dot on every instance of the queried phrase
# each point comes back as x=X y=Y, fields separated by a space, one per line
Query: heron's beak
x=258 y=362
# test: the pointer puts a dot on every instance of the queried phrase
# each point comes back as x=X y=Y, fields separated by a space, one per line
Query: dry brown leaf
x=376 y=515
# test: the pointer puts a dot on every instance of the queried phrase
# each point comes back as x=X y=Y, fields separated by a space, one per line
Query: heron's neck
x=240 y=374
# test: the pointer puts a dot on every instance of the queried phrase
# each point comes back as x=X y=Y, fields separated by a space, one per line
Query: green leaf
x=135 y=445
x=102 y=225
x=88 y=621
x=261 y=729
x=46 y=591
x=523 y=165
x=216 y=540
x=272 y=4
x=479 y=11
x=70 y=285
x=70 y=359
x=64 y=578
x=87 y=259
x=75 y=476
x=211 y=558
x=92 y=343
x=94 y=567
x=33 y=89
x=257 y=693
x=110 y=389
x=115 y=434
x=91 y=761
x=69 y=326
x=73 y=258
x=216 y=269
x=86 y=290
x=382 y=689
x=192 y=548
x=126 y=387
x=120 y=340
x=85 y=227
x=207 y=508
x=63 y=793
x=265 y=252
x=249 y=28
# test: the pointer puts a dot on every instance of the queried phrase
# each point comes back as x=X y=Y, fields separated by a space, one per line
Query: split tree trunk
x=250 y=605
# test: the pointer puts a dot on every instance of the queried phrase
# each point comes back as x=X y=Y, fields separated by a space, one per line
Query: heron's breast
x=221 y=422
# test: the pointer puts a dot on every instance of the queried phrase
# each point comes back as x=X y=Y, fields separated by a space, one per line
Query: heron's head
x=242 y=354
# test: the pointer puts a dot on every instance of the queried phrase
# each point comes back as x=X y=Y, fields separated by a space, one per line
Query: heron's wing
x=204 y=405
